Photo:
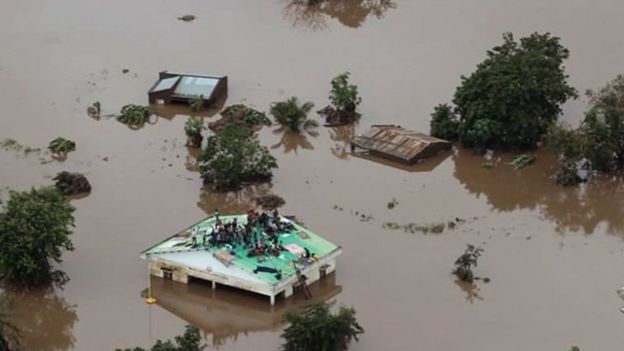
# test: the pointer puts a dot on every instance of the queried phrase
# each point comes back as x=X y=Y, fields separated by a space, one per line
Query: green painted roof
x=301 y=236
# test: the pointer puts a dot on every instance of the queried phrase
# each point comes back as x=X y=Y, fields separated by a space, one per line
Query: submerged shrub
x=240 y=116
x=343 y=95
x=465 y=262
x=444 y=123
x=189 y=341
x=71 y=183
x=193 y=128
x=134 y=116
x=61 y=146
x=197 y=103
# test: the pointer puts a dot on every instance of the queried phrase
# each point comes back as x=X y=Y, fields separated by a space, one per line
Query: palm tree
x=292 y=116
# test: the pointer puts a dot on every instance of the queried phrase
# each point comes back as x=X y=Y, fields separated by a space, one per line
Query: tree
x=233 y=157
x=444 y=123
x=598 y=144
x=35 y=229
x=193 y=129
x=292 y=116
x=317 y=329
x=465 y=262
x=344 y=96
x=189 y=341
x=515 y=93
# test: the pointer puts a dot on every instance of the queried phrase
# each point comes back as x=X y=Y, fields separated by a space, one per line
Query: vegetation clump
x=197 y=103
x=61 y=146
x=189 y=341
x=71 y=183
x=512 y=97
x=134 y=116
x=465 y=262
x=317 y=329
x=270 y=202
x=95 y=110
x=35 y=228
x=187 y=18
x=233 y=157
x=521 y=161
x=293 y=116
x=240 y=116
x=193 y=130
x=344 y=100
x=597 y=145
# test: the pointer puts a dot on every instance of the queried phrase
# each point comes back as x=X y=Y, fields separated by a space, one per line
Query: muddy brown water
x=554 y=255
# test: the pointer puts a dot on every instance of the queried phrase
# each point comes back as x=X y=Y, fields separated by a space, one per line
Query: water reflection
x=351 y=13
x=45 y=321
x=293 y=141
x=342 y=137
x=580 y=208
x=232 y=201
x=223 y=314
x=471 y=290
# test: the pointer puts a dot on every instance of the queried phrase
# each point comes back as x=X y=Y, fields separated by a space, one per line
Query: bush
x=514 y=95
x=61 y=146
x=240 y=116
x=465 y=262
x=134 y=116
x=71 y=183
x=35 y=227
x=197 y=103
x=317 y=329
x=233 y=157
x=444 y=123
x=344 y=96
x=293 y=116
x=189 y=341
x=193 y=129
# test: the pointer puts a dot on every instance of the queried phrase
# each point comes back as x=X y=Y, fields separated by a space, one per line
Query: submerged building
x=274 y=258
x=399 y=144
x=174 y=87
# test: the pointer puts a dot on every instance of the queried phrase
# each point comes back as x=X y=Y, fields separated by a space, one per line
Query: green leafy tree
x=465 y=262
x=233 y=157
x=61 y=146
x=35 y=229
x=515 y=93
x=343 y=95
x=598 y=144
x=193 y=129
x=317 y=329
x=293 y=116
x=444 y=123
x=189 y=341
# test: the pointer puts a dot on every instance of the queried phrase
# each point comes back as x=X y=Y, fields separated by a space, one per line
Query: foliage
x=444 y=123
x=344 y=96
x=233 y=157
x=197 y=103
x=575 y=348
x=293 y=116
x=134 y=116
x=598 y=144
x=240 y=116
x=189 y=341
x=193 y=128
x=61 y=146
x=71 y=183
x=465 y=262
x=35 y=228
x=522 y=160
x=515 y=93
x=317 y=329
x=95 y=110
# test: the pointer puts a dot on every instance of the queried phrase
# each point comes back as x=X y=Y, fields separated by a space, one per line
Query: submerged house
x=267 y=262
x=399 y=144
x=174 y=87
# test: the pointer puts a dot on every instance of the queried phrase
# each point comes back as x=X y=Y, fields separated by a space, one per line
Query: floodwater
x=554 y=255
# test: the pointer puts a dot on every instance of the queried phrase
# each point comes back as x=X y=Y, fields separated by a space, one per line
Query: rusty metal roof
x=398 y=142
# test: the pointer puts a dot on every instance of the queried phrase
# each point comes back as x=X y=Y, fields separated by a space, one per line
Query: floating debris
x=392 y=204
x=521 y=161
x=187 y=18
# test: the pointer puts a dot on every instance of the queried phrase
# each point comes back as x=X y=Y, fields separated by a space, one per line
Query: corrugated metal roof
x=397 y=142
